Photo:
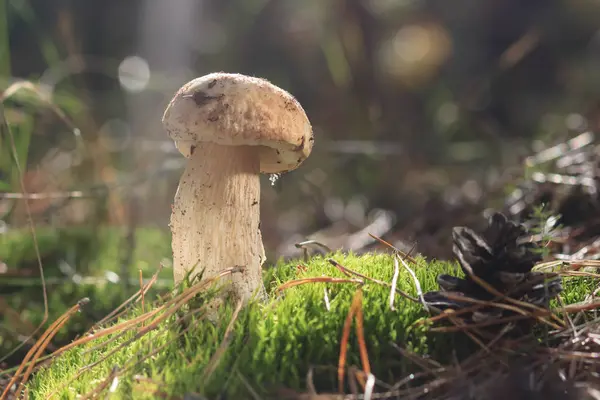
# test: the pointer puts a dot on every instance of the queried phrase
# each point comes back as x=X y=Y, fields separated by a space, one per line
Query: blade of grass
x=6 y=132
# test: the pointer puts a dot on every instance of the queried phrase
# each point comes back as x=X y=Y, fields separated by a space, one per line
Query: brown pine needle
x=523 y=304
x=177 y=302
x=459 y=324
x=355 y=307
x=216 y=357
x=360 y=333
x=362 y=346
x=317 y=279
x=135 y=296
x=36 y=350
x=397 y=250
x=344 y=348
x=133 y=362
x=339 y=267
x=169 y=309
x=368 y=278
x=483 y=324
x=128 y=366
x=534 y=311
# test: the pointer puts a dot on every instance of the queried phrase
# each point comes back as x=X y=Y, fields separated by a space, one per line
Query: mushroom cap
x=234 y=109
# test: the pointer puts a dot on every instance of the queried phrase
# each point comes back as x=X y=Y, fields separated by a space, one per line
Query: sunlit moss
x=273 y=344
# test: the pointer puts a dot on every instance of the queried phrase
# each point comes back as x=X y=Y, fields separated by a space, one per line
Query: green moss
x=273 y=344
x=576 y=289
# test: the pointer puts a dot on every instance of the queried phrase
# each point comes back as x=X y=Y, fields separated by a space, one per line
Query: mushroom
x=231 y=127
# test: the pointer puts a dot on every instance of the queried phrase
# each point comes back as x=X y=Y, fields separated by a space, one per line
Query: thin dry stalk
x=34 y=353
x=566 y=316
x=360 y=333
x=317 y=279
x=344 y=342
x=95 y=393
x=5 y=129
x=428 y=365
x=216 y=357
x=537 y=313
x=142 y=290
x=463 y=327
x=304 y=246
x=377 y=281
x=169 y=310
x=249 y=387
x=177 y=302
x=133 y=363
x=580 y=274
x=135 y=296
x=108 y=331
x=130 y=365
x=522 y=304
x=477 y=325
x=391 y=246
x=356 y=312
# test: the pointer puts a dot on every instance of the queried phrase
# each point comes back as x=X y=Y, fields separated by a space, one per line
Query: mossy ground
x=273 y=344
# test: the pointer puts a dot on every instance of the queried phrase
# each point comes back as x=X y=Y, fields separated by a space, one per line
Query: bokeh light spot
x=134 y=74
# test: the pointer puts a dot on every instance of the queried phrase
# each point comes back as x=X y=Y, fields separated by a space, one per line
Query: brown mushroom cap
x=234 y=109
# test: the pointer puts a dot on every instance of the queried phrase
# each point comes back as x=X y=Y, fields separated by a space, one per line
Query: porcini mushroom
x=231 y=127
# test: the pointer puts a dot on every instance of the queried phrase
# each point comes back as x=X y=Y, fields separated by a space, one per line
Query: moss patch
x=273 y=345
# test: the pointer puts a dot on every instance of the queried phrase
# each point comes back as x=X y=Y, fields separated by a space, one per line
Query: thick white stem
x=216 y=215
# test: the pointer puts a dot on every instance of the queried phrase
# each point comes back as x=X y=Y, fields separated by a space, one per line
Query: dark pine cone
x=497 y=258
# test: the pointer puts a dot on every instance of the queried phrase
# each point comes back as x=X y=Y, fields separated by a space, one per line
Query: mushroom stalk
x=216 y=215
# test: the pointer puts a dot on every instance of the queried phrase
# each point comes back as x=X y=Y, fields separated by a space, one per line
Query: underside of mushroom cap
x=234 y=109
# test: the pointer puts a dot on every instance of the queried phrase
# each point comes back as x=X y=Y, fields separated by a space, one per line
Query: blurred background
x=423 y=110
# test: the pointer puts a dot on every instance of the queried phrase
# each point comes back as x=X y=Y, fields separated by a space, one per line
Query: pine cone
x=497 y=258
